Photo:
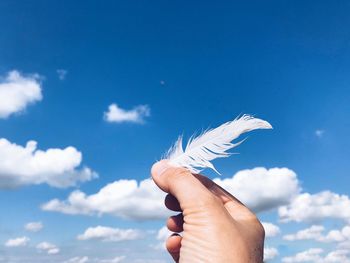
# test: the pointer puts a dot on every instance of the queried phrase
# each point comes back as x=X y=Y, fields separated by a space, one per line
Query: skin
x=215 y=226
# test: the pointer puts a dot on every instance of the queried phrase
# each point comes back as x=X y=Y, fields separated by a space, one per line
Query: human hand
x=216 y=226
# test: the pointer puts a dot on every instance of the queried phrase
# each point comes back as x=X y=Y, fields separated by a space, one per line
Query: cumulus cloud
x=17 y=242
x=34 y=226
x=122 y=198
x=62 y=73
x=118 y=115
x=49 y=248
x=17 y=92
x=335 y=235
x=314 y=255
x=271 y=230
x=25 y=165
x=128 y=199
x=316 y=207
x=110 y=234
x=280 y=187
x=313 y=232
x=270 y=253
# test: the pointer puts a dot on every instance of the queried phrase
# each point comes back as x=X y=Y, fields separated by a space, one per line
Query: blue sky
x=181 y=67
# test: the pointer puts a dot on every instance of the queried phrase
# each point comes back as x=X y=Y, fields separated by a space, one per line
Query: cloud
x=62 y=73
x=313 y=232
x=34 y=226
x=315 y=255
x=270 y=253
x=110 y=234
x=144 y=201
x=51 y=249
x=119 y=115
x=17 y=92
x=25 y=165
x=162 y=235
x=17 y=242
x=77 y=260
x=319 y=133
x=113 y=260
x=342 y=235
x=271 y=230
x=280 y=187
x=316 y=207
x=122 y=198
x=86 y=259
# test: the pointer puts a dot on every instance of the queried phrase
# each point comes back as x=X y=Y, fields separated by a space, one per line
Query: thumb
x=179 y=182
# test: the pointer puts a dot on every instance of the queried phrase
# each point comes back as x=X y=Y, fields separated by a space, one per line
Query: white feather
x=212 y=144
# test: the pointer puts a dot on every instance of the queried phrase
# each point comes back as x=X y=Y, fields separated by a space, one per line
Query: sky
x=92 y=93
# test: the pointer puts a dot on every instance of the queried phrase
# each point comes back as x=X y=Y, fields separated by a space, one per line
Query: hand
x=217 y=228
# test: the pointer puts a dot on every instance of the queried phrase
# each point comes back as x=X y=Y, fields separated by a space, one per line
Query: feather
x=212 y=144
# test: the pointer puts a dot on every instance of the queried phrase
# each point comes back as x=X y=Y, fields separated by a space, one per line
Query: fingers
x=172 y=203
x=179 y=182
x=173 y=245
x=175 y=223
x=236 y=208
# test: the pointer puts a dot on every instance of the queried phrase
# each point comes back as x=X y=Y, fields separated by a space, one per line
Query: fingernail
x=159 y=167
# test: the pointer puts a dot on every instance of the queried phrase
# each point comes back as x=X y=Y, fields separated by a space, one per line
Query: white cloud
x=113 y=260
x=62 y=73
x=338 y=256
x=34 y=226
x=315 y=207
x=122 y=198
x=270 y=253
x=17 y=92
x=310 y=255
x=162 y=235
x=342 y=235
x=25 y=165
x=17 y=242
x=128 y=199
x=319 y=133
x=271 y=230
x=77 y=260
x=280 y=185
x=314 y=255
x=86 y=259
x=136 y=115
x=314 y=232
x=51 y=249
x=110 y=234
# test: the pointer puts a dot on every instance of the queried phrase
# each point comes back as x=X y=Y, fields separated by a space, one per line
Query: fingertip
x=159 y=168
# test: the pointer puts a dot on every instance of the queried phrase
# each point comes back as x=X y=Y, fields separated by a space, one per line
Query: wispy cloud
x=119 y=115
x=25 y=165
x=62 y=73
x=319 y=133
x=49 y=248
x=17 y=92
x=17 y=242
x=34 y=226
